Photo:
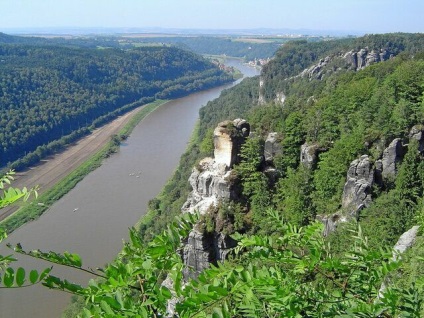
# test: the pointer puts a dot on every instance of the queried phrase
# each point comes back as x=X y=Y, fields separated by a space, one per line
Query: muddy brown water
x=93 y=219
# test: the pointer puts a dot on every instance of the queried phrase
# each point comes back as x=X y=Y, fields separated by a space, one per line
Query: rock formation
x=261 y=99
x=357 y=189
x=405 y=241
x=212 y=182
x=309 y=155
x=317 y=70
x=363 y=58
x=272 y=147
x=202 y=248
x=392 y=156
x=417 y=133
x=228 y=138
x=211 y=179
x=280 y=98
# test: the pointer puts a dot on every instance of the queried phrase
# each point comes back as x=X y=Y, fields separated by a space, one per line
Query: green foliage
x=395 y=211
x=207 y=144
x=293 y=196
x=10 y=277
x=254 y=183
x=331 y=173
x=291 y=273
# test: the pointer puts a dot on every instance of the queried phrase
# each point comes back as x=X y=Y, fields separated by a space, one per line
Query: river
x=93 y=219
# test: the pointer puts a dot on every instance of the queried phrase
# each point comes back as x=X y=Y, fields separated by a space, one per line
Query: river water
x=93 y=219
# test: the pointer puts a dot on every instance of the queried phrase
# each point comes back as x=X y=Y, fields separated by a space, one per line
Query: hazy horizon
x=331 y=16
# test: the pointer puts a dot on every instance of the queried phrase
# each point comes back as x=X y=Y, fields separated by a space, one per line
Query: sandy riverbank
x=54 y=168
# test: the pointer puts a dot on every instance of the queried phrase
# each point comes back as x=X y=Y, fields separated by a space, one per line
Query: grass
x=37 y=207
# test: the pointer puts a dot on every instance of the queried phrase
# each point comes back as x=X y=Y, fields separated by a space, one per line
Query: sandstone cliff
x=212 y=183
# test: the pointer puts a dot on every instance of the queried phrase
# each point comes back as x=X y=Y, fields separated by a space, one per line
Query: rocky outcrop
x=309 y=155
x=405 y=241
x=272 y=147
x=280 y=98
x=392 y=156
x=357 y=189
x=317 y=70
x=202 y=249
x=228 y=138
x=363 y=58
x=212 y=183
x=417 y=133
x=211 y=179
x=331 y=221
x=261 y=99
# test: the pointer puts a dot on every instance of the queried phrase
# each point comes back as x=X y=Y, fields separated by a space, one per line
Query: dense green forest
x=49 y=92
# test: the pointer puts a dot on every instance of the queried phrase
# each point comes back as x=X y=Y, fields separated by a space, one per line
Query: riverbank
x=58 y=174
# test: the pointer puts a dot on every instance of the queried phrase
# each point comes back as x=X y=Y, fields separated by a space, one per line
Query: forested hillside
x=215 y=45
x=49 y=92
x=345 y=112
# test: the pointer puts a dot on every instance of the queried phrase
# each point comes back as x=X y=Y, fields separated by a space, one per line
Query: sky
x=362 y=16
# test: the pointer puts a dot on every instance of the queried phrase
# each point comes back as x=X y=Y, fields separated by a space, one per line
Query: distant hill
x=48 y=92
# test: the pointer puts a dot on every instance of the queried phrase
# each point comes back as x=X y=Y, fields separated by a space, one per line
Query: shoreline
x=58 y=174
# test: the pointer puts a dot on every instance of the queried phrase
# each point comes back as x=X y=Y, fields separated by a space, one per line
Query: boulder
x=358 y=186
x=392 y=156
x=272 y=147
x=405 y=241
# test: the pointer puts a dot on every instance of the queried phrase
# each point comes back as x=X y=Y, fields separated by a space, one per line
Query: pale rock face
x=228 y=138
x=223 y=145
x=363 y=58
x=417 y=133
x=211 y=179
x=357 y=189
x=210 y=185
x=272 y=147
x=392 y=156
x=280 y=98
x=309 y=155
x=330 y=222
x=261 y=100
x=317 y=70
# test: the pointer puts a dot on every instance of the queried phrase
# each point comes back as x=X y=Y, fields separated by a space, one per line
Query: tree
x=292 y=273
x=9 y=278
